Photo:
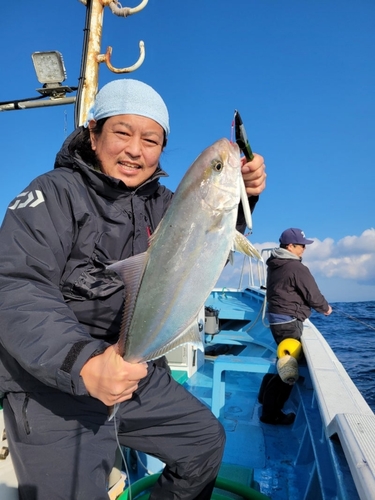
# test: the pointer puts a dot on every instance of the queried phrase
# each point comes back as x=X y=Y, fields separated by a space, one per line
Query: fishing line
x=65 y=124
x=123 y=458
x=264 y=311
x=232 y=132
x=149 y=472
x=125 y=463
x=335 y=309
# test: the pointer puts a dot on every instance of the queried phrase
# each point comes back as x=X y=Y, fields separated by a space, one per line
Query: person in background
x=60 y=314
x=292 y=293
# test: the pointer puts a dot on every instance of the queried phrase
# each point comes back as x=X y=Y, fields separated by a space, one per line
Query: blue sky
x=301 y=73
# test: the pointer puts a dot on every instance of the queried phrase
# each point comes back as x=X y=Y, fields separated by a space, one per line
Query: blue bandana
x=129 y=97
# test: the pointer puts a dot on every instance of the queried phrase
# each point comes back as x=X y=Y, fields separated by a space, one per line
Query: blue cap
x=294 y=236
x=129 y=97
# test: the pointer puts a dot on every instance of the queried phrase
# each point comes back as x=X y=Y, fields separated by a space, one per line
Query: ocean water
x=350 y=331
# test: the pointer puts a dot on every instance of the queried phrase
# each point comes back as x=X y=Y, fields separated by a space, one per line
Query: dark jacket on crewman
x=58 y=305
x=291 y=288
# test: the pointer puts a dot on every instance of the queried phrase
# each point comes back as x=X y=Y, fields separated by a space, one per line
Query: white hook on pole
x=119 y=10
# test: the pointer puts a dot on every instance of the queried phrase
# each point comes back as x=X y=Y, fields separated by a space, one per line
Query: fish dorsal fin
x=193 y=334
x=131 y=272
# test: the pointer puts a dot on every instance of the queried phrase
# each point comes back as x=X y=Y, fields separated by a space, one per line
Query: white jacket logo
x=28 y=199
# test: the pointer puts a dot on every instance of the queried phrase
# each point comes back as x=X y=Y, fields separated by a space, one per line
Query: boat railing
x=256 y=270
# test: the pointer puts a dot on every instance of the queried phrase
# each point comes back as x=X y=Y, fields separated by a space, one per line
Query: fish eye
x=217 y=166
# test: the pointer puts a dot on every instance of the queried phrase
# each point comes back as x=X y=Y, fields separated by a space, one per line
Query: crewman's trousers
x=274 y=393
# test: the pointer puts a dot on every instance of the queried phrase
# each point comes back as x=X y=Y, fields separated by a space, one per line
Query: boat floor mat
x=245 y=445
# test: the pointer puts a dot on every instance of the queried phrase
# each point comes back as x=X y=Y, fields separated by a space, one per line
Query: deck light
x=50 y=71
x=49 y=67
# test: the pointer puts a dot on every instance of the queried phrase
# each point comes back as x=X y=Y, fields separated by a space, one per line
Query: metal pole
x=11 y=106
x=91 y=70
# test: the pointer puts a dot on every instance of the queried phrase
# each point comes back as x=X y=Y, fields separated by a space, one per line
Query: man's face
x=128 y=147
x=296 y=249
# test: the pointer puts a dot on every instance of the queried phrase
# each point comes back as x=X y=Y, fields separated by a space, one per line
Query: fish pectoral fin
x=242 y=244
x=193 y=335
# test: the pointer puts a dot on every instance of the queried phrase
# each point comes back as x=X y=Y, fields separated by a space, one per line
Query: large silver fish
x=167 y=286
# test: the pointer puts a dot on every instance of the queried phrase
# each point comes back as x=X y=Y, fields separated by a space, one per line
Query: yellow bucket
x=291 y=347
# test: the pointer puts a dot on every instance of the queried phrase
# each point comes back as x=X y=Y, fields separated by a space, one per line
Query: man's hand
x=110 y=379
x=329 y=311
x=254 y=175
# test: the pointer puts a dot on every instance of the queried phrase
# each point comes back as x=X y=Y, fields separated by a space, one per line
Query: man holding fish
x=61 y=362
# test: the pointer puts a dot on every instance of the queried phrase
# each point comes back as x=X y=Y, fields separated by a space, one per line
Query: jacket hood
x=280 y=257
x=283 y=253
x=66 y=158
